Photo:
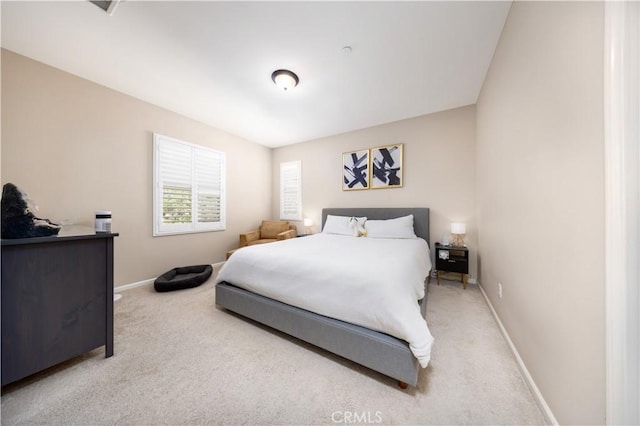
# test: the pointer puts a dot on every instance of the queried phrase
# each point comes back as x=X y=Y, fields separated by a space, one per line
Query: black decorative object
x=181 y=278
x=18 y=219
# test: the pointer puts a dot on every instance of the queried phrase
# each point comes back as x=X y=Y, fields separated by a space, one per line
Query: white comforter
x=375 y=283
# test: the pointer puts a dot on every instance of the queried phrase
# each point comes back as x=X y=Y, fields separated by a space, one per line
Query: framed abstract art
x=386 y=166
x=355 y=170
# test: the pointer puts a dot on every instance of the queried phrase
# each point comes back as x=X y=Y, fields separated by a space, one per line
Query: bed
x=379 y=351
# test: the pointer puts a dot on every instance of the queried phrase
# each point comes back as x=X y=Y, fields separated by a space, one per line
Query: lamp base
x=457 y=240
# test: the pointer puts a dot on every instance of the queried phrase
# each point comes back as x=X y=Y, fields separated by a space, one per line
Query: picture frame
x=355 y=170
x=386 y=166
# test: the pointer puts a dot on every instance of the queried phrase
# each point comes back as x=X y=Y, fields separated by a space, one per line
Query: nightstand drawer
x=453 y=265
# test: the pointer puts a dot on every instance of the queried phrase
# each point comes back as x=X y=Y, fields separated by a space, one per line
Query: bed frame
x=378 y=351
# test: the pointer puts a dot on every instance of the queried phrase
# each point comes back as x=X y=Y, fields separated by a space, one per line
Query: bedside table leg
x=464 y=281
x=438 y=275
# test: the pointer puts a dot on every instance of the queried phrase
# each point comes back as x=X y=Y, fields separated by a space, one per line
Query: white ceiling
x=212 y=61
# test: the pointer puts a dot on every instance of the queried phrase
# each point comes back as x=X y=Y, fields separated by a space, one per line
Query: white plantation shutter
x=175 y=183
x=209 y=167
x=291 y=190
x=189 y=185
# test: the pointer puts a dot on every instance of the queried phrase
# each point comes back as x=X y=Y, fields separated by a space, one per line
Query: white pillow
x=340 y=225
x=401 y=227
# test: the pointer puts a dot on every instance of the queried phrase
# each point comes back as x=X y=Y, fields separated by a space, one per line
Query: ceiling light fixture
x=285 y=79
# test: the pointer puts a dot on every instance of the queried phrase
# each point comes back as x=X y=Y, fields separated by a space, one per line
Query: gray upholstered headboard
x=420 y=216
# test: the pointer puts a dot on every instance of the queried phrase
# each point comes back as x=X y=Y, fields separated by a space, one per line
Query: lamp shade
x=458 y=228
x=308 y=222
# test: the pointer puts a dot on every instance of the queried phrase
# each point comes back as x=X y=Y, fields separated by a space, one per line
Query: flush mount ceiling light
x=285 y=79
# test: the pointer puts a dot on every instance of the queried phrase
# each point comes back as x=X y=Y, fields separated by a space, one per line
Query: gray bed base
x=380 y=352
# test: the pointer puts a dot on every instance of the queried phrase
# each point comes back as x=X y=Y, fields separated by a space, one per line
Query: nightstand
x=452 y=259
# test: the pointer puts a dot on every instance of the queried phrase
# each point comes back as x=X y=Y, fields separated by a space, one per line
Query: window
x=291 y=191
x=188 y=187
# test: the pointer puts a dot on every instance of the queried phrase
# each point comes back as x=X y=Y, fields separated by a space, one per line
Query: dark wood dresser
x=57 y=299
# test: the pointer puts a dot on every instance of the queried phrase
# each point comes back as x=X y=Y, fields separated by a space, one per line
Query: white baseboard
x=546 y=411
x=149 y=281
x=133 y=285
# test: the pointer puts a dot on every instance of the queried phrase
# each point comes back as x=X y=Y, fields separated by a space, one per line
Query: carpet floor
x=180 y=360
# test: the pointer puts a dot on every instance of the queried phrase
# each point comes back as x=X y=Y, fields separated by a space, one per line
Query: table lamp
x=458 y=230
x=308 y=223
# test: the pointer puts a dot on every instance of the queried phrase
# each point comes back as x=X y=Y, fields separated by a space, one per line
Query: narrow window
x=291 y=190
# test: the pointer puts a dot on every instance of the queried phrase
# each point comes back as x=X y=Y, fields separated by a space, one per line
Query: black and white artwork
x=355 y=170
x=386 y=165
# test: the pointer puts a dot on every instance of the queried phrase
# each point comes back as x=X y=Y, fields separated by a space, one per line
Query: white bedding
x=375 y=283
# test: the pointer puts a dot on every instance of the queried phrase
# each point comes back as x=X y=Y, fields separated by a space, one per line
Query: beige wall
x=439 y=171
x=76 y=147
x=541 y=199
x=536 y=170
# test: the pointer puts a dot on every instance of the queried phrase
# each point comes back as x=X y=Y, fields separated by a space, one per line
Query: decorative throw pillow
x=339 y=225
x=401 y=227
x=271 y=228
x=357 y=226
